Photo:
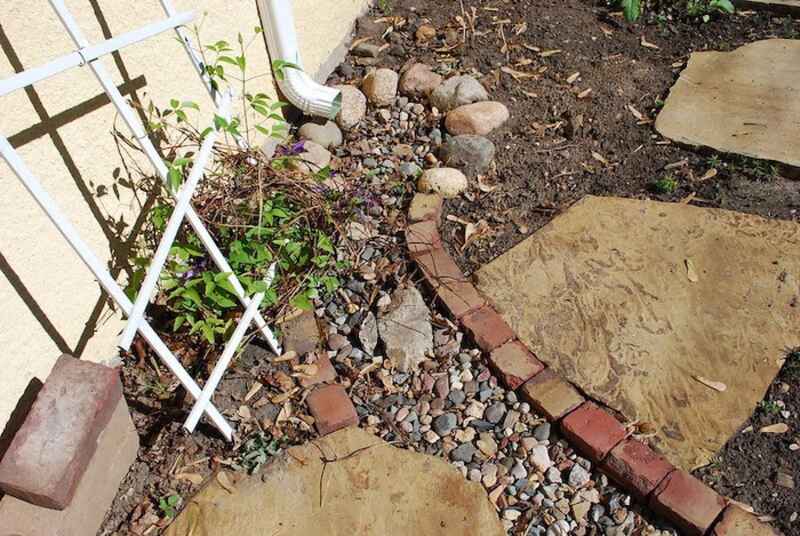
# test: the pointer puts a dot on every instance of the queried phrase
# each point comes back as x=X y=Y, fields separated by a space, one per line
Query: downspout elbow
x=295 y=84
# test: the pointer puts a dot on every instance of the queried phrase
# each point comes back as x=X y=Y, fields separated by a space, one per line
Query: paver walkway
x=632 y=301
x=367 y=487
x=745 y=102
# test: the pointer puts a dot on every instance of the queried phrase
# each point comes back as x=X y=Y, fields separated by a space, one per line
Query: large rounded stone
x=370 y=487
x=448 y=182
x=458 y=91
x=354 y=107
x=419 y=81
x=479 y=118
x=380 y=87
x=472 y=154
x=327 y=135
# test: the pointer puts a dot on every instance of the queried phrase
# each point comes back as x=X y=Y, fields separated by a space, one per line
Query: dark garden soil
x=564 y=141
x=762 y=469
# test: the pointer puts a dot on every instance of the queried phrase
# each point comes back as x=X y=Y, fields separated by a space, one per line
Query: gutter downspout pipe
x=297 y=86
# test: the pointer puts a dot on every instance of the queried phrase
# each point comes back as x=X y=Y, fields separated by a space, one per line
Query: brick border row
x=671 y=492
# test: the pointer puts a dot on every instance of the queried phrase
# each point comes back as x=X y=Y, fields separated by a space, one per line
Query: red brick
x=488 y=329
x=331 y=408
x=426 y=207
x=636 y=467
x=550 y=395
x=687 y=502
x=452 y=287
x=325 y=371
x=117 y=447
x=593 y=430
x=422 y=237
x=514 y=364
x=50 y=452
x=737 y=522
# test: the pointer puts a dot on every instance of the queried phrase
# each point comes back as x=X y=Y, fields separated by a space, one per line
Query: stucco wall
x=62 y=128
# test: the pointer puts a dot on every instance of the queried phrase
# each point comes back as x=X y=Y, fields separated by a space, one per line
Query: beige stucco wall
x=50 y=302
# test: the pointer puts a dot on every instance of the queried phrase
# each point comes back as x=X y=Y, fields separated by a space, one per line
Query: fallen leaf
x=548 y=53
x=777 y=428
x=691 y=273
x=636 y=113
x=717 y=386
x=518 y=75
x=194 y=478
x=710 y=174
x=225 y=481
x=647 y=44
x=305 y=371
x=600 y=158
x=573 y=77
x=485 y=188
x=244 y=413
x=585 y=93
x=285 y=413
x=253 y=390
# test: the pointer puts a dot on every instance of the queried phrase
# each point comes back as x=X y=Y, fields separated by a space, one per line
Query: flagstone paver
x=779 y=7
x=349 y=482
x=746 y=101
x=632 y=301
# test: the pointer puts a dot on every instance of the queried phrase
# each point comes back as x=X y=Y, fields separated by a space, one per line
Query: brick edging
x=671 y=492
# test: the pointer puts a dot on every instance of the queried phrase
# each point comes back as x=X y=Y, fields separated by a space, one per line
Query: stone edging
x=671 y=492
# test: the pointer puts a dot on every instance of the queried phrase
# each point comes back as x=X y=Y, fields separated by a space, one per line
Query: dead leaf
x=285 y=413
x=194 y=478
x=717 y=386
x=253 y=391
x=600 y=158
x=647 y=44
x=691 y=273
x=483 y=187
x=636 y=113
x=585 y=93
x=710 y=174
x=282 y=397
x=225 y=481
x=518 y=75
x=573 y=77
x=288 y=356
x=305 y=371
x=244 y=413
x=548 y=53
x=777 y=428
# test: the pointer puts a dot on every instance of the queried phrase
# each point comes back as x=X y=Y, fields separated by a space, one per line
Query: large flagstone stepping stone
x=633 y=301
x=745 y=102
x=779 y=7
x=366 y=487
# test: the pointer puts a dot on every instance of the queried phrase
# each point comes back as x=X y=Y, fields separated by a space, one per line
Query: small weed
x=665 y=185
x=168 y=505
x=714 y=161
x=694 y=8
x=792 y=365
x=257 y=450
x=385 y=6
x=769 y=407
x=762 y=170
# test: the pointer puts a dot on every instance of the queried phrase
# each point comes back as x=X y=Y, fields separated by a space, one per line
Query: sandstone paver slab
x=779 y=7
x=602 y=294
x=746 y=101
x=368 y=487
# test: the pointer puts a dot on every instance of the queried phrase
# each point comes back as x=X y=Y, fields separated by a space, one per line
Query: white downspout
x=298 y=88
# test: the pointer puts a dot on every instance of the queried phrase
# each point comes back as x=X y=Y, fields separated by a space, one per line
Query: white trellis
x=87 y=55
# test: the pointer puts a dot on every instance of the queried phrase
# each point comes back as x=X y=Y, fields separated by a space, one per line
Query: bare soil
x=564 y=141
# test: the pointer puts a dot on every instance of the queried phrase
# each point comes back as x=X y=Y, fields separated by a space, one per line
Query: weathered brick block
x=331 y=408
x=50 y=452
x=426 y=207
x=636 y=467
x=488 y=329
x=550 y=395
x=325 y=371
x=115 y=452
x=737 y=522
x=687 y=502
x=422 y=237
x=452 y=287
x=594 y=431
x=514 y=364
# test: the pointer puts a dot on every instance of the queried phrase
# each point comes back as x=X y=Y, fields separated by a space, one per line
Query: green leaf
x=192 y=295
x=632 y=9
x=302 y=302
x=178 y=323
x=722 y=5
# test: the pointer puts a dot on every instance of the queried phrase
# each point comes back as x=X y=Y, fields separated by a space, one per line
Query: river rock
x=380 y=87
x=313 y=158
x=479 y=118
x=419 y=81
x=458 y=91
x=405 y=329
x=354 y=107
x=469 y=153
x=448 y=182
x=327 y=135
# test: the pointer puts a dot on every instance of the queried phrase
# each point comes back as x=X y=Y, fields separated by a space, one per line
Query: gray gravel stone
x=463 y=453
x=444 y=424
x=471 y=154
x=495 y=412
